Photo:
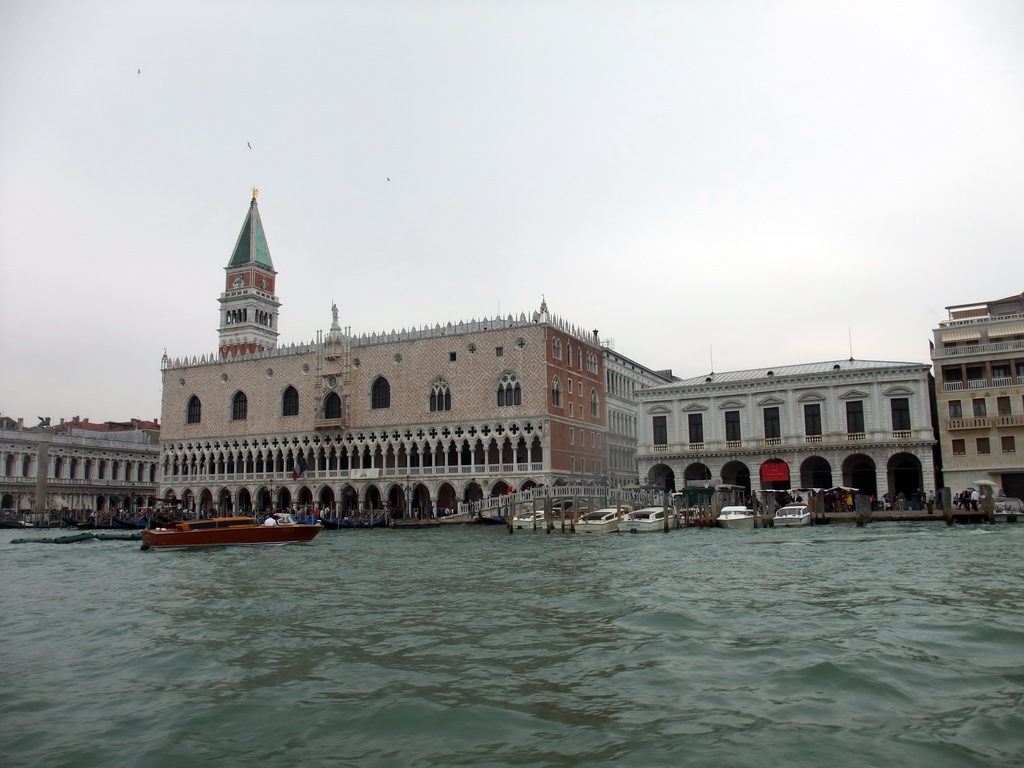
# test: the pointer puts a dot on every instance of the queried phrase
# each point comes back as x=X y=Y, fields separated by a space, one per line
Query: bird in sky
x=140 y=71
x=389 y=178
x=248 y=145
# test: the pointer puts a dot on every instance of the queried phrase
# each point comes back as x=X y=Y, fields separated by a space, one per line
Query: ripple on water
x=896 y=644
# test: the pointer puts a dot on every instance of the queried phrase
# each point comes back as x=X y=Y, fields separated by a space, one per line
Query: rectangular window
x=980 y=409
x=451 y=357
x=696 y=423
x=1009 y=444
x=983 y=446
x=499 y=351
x=855 y=417
x=572 y=464
x=732 y=425
x=812 y=419
x=1003 y=406
x=772 y=424
x=900 y=414
x=570 y=385
x=571 y=411
x=959 y=448
x=956 y=411
x=659 y=430
x=572 y=436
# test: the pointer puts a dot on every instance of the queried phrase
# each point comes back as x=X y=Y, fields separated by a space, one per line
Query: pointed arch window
x=593 y=403
x=332 y=406
x=290 y=402
x=239 y=407
x=194 y=411
x=380 y=395
x=440 y=396
x=556 y=393
x=509 y=391
x=556 y=348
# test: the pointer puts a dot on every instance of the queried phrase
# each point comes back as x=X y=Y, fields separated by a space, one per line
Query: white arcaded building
x=857 y=423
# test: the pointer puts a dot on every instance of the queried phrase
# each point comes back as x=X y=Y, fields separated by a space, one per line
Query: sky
x=712 y=185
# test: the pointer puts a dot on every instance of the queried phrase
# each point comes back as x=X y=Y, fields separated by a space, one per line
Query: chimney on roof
x=21 y=424
x=75 y=420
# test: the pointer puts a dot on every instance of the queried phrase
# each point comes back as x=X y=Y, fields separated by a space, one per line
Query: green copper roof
x=252 y=243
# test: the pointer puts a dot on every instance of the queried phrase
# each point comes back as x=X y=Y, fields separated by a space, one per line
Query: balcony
x=1002 y=381
x=952 y=386
x=977 y=384
x=901 y=434
x=1015 y=420
x=855 y=436
x=812 y=439
x=339 y=423
x=977 y=423
x=733 y=444
x=767 y=441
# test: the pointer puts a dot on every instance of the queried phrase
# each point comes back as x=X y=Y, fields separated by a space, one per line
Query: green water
x=894 y=644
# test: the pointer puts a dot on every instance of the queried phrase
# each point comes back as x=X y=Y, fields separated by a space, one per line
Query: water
x=894 y=644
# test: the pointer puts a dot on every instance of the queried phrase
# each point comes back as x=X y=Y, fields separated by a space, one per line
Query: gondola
x=131 y=525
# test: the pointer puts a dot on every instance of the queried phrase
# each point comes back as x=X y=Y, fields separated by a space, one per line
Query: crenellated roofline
x=482 y=325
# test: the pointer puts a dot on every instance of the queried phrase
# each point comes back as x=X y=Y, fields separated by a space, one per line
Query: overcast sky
x=743 y=183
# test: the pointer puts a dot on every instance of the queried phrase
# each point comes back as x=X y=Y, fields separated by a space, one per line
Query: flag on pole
x=300 y=467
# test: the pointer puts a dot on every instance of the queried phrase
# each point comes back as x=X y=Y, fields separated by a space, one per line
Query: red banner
x=775 y=472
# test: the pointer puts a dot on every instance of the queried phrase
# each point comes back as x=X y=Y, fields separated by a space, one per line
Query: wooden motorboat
x=228 y=532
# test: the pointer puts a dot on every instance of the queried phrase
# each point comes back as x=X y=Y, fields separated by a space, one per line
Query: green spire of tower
x=251 y=247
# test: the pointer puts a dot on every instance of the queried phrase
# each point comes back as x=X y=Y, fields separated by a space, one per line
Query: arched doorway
x=904 y=475
x=304 y=498
x=815 y=472
x=326 y=499
x=859 y=473
x=349 y=500
x=663 y=477
x=244 y=501
x=224 y=505
x=206 y=500
x=697 y=474
x=473 y=492
x=775 y=475
x=737 y=473
x=372 y=498
x=500 y=488
x=446 y=498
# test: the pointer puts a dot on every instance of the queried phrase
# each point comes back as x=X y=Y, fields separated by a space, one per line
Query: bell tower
x=248 y=306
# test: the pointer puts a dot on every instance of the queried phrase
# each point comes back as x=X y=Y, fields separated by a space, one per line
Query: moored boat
x=792 y=516
x=643 y=521
x=1007 y=510
x=600 y=521
x=736 y=517
x=228 y=532
x=533 y=519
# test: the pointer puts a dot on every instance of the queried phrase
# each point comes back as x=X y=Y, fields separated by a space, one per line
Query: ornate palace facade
x=431 y=416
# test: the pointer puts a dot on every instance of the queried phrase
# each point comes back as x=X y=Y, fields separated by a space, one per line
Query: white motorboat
x=1007 y=510
x=792 y=516
x=643 y=520
x=736 y=517
x=533 y=519
x=600 y=521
